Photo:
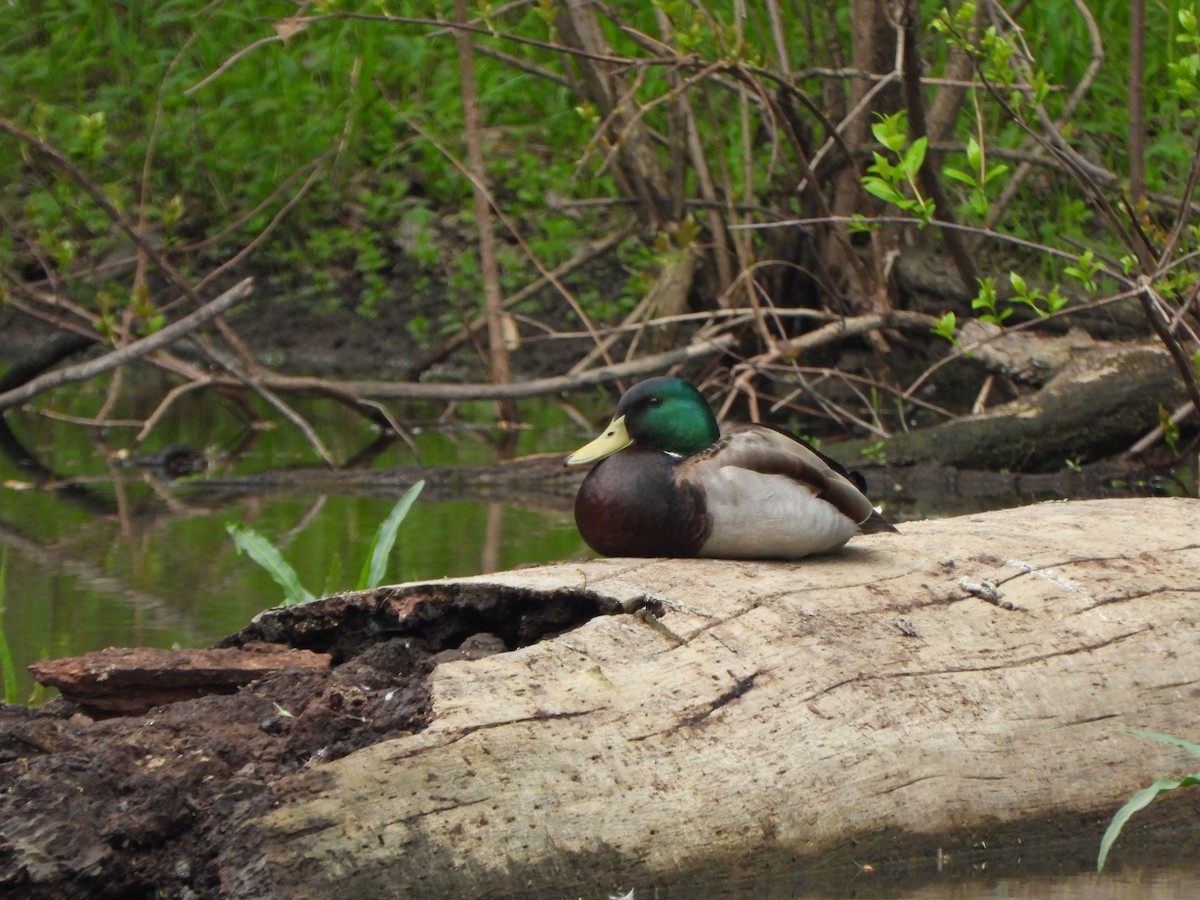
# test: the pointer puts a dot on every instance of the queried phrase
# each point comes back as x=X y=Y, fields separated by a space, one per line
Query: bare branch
x=129 y=352
x=537 y=387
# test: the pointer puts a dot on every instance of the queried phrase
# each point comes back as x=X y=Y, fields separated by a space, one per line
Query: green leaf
x=263 y=552
x=914 y=156
x=890 y=131
x=974 y=154
x=959 y=175
x=375 y=566
x=884 y=169
x=1138 y=801
x=944 y=327
x=860 y=224
x=1018 y=284
x=994 y=172
x=883 y=191
x=1167 y=739
x=1055 y=300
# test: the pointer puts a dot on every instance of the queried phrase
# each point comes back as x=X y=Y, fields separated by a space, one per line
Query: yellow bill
x=614 y=438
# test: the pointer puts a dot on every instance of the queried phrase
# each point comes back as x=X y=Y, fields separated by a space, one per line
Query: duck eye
x=654 y=401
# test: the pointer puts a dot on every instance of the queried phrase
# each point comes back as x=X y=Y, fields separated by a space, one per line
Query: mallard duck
x=668 y=483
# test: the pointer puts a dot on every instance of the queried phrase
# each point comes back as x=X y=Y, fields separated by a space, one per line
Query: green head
x=663 y=413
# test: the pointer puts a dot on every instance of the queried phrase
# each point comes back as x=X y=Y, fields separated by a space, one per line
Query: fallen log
x=587 y=726
x=1097 y=405
x=966 y=676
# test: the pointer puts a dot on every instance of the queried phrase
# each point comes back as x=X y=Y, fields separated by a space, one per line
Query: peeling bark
x=131 y=682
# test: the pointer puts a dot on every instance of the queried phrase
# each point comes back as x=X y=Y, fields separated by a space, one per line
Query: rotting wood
x=1097 y=405
x=132 y=681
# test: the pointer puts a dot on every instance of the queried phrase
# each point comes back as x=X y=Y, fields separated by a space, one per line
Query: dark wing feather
x=855 y=478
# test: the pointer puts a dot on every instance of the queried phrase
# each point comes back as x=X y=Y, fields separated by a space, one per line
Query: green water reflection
x=101 y=554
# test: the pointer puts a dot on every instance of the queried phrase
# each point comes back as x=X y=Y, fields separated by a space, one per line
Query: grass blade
x=263 y=552
x=1167 y=739
x=1138 y=801
x=375 y=567
x=8 y=671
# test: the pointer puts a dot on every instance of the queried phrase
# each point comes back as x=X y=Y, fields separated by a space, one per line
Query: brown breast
x=631 y=505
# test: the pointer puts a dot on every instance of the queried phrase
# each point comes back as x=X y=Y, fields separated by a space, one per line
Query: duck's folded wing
x=770 y=452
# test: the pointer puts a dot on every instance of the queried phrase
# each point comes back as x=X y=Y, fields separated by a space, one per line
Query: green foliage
x=223 y=129
x=229 y=109
x=944 y=327
x=374 y=567
x=1044 y=304
x=1085 y=270
x=977 y=176
x=8 y=671
x=263 y=552
x=1170 y=428
x=986 y=300
x=876 y=452
x=1146 y=795
x=888 y=181
x=1186 y=70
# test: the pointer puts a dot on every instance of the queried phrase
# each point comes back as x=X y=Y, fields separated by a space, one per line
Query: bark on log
x=130 y=682
x=1097 y=406
x=888 y=695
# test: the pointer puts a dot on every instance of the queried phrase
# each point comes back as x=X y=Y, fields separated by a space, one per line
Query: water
x=99 y=554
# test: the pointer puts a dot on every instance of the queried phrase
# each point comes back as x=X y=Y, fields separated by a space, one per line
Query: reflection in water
x=1156 y=862
x=104 y=551
x=1143 y=884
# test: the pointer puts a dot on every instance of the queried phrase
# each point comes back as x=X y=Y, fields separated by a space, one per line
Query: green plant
x=986 y=301
x=1146 y=795
x=978 y=175
x=8 y=671
x=1170 y=428
x=1044 y=304
x=374 y=567
x=944 y=327
x=876 y=452
x=888 y=181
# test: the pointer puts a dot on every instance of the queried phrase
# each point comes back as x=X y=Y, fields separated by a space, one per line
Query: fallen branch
x=843 y=328
x=129 y=352
x=537 y=387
